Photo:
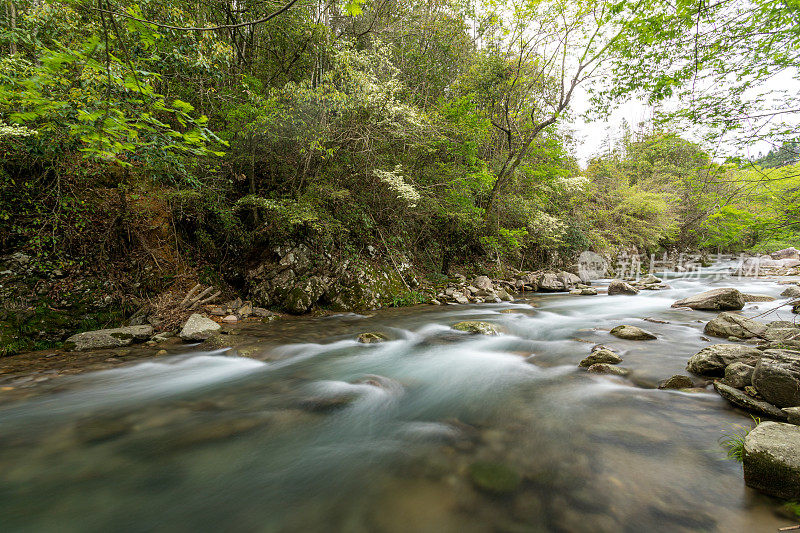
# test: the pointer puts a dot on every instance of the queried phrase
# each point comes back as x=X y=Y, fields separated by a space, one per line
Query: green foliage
x=409 y=298
x=733 y=440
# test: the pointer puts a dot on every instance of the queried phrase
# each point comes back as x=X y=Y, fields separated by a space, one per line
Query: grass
x=733 y=440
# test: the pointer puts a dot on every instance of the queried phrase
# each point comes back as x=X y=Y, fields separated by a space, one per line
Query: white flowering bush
x=12 y=131
x=397 y=184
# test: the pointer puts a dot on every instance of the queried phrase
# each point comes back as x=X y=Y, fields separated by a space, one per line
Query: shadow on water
x=433 y=430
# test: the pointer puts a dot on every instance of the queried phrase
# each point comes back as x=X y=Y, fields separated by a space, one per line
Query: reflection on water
x=317 y=432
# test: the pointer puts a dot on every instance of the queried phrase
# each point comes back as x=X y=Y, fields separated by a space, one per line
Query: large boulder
x=758 y=298
x=483 y=282
x=632 y=333
x=549 y=282
x=677 y=381
x=108 y=338
x=748 y=403
x=568 y=279
x=739 y=375
x=792 y=291
x=617 y=286
x=199 y=328
x=771 y=459
x=778 y=381
x=723 y=299
x=712 y=360
x=734 y=325
x=786 y=253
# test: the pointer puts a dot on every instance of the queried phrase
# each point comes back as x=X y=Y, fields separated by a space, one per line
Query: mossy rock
x=496 y=478
x=477 y=327
x=372 y=338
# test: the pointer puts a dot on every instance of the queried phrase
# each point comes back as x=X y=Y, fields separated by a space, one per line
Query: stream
x=317 y=432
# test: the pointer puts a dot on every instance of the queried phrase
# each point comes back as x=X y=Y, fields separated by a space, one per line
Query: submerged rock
x=618 y=286
x=677 y=381
x=591 y=291
x=477 y=327
x=714 y=300
x=600 y=356
x=771 y=459
x=712 y=360
x=496 y=478
x=199 y=328
x=632 y=333
x=108 y=338
x=748 y=403
x=734 y=325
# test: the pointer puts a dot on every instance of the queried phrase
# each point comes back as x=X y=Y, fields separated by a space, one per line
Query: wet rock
x=199 y=328
x=600 y=356
x=245 y=310
x=605 y=368
x=757 y=297
x=677 y=381
x=231 y=319
x=733 y=324
x=218 y=311
x=504 y=296
x=778 y=382
x=618 y=286
x=325 y=404
x=495 y=478
x=714 y=300
x=739 y=375
x=632 y=333
x=261 y=312
x=792 y=291
x=584 y=292
x=108 y=338
x=371 y=338
x=771 y=459
x=748 y=403
x=649 y=279
x=477 y=327
x=460 y=298
x=712 y=360
x=568 y=279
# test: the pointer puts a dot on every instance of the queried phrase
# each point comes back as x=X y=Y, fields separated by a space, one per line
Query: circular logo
x=591 y=266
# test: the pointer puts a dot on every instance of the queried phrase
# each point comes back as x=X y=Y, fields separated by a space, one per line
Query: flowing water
x=316 y=432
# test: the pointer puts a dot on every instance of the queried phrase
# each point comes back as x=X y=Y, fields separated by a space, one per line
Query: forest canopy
x=438 y=128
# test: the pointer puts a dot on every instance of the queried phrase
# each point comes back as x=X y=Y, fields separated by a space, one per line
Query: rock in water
x=739 y=375
x=618 y=286
x=786 y=253
x=591 y=291
x=758 y=298
x=371 y=338
x=712 y=360
x=714 y=300
x=549 y=282
x=771 y=459
x=748 y=403
x=605 y=368
x=600 y=356
x=496 y=478
x=108 y=338
x=198 y=328
x=734 y=325
x=477 y=327
x=778 y=382
x=676 y=382
x=793 y=291
x=632 y=333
